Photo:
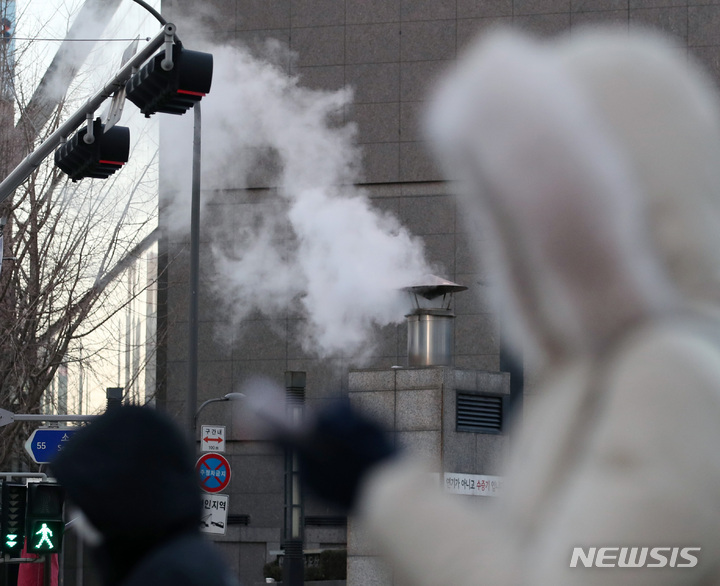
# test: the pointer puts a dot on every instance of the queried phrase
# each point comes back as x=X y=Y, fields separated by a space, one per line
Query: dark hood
x=132 y=473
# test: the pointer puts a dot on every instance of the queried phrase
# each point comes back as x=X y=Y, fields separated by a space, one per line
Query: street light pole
x=228 y=397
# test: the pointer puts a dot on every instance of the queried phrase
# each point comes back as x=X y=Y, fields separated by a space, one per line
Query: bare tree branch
x=92 y=19
x=70 y=241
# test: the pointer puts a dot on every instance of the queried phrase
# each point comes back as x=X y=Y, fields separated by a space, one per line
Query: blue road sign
x=45 y=443
x=213 y=471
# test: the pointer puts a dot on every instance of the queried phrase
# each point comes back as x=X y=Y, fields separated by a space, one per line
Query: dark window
x=479 y=413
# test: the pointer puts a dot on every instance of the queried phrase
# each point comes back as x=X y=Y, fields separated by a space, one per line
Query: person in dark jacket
x=131 y=474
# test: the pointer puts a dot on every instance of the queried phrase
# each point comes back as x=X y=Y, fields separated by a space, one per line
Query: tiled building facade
x=390 y=52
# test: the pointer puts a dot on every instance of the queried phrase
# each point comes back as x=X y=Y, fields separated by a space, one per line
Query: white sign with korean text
x=472 y=484
x=214 y=513
x=212 y=438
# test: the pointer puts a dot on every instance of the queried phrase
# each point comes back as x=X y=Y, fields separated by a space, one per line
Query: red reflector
x=118 y=163
x=191 y=93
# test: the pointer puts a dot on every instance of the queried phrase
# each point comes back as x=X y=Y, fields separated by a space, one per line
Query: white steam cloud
x=314 y=244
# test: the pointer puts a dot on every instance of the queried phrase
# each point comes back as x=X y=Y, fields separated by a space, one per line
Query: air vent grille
x=238 y=520
x=478 y=413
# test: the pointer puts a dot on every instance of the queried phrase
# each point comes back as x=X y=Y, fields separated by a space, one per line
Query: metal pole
x=514 y=366
x=79 y=561
x=35 y=417
x=228 y=397
x=34 y=159
x=23 y=475
x=294 y=561
x=191 y=401
x=197 y=413
x=47 y=568
x=7 y=418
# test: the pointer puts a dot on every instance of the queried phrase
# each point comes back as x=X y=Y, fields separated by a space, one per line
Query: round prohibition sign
x=213 y=471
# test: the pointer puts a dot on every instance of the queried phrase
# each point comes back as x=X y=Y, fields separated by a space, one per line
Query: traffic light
x=108 y=151
x=45 y=525
x=152 y=89
x=12 y=517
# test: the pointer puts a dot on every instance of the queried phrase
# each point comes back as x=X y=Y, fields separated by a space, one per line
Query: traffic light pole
x=8 y=417
x=48 y=146
x=191 y=399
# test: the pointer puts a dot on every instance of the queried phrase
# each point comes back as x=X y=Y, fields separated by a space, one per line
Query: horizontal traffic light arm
x=48 y=146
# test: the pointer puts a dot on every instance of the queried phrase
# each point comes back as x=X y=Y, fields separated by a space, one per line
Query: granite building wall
x=390 y=52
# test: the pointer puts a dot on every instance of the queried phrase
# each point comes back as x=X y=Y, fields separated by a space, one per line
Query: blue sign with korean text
x=45 y=443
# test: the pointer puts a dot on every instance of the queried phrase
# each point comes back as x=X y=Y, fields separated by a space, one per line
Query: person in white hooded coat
x=590 y=166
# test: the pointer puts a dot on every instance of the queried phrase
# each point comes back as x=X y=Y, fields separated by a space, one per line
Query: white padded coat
x=590 y=165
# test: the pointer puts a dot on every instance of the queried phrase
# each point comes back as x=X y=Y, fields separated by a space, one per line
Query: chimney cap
x=433 y=286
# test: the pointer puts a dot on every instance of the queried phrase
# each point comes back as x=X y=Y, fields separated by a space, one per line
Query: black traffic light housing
x=108 y=152
x=152 y=89
x=12 y=517
x=44 y=517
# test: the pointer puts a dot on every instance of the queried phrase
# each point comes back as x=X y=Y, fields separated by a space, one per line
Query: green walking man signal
x=45 y=536
x=43 y=532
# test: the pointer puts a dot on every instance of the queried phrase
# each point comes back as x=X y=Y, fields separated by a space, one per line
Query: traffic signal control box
x=44 y=518
x=108 y=152
x=152 y=89
x=12 y=517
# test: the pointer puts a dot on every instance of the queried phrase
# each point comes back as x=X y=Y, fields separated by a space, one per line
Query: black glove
x=337 y=452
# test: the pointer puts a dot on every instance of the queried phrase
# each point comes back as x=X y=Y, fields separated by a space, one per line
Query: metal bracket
x=6 y=417
x=167 y=63
x=41 y=475
x=89 y=137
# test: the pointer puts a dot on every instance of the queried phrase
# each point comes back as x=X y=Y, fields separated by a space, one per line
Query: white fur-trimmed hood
x=590 y=166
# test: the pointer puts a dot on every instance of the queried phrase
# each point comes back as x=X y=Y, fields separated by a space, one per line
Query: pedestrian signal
x=45 y=524
x=12 y=517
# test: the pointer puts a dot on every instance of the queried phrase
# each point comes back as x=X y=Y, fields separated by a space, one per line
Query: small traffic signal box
x=44 y=518
x=12 y=517
x=108 y=152
x=152 y=89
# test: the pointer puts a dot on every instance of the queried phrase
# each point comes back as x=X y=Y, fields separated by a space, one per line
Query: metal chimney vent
x=479 y=413
x=431 y=332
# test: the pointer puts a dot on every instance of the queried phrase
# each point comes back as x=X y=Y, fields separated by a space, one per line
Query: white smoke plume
x=315 y=245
